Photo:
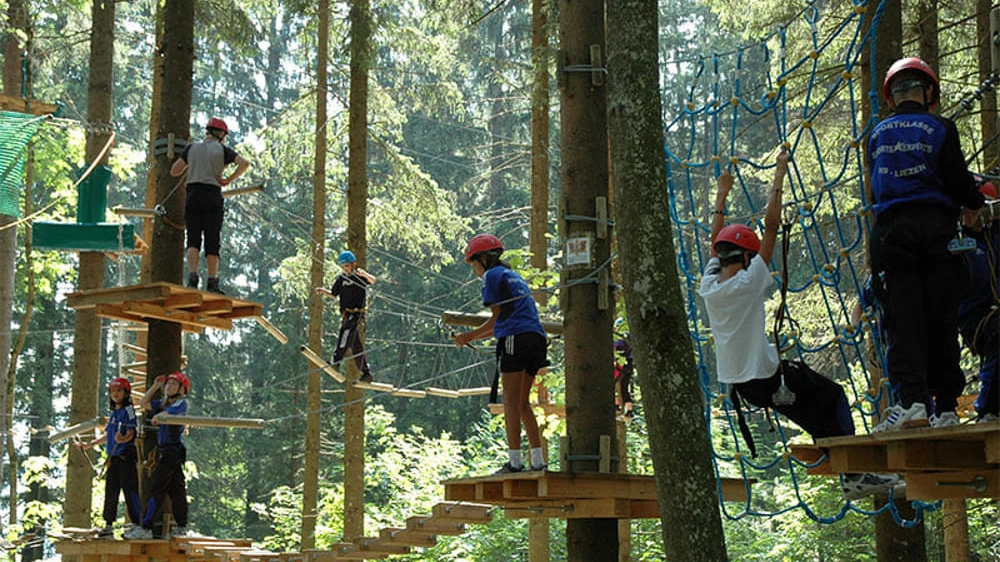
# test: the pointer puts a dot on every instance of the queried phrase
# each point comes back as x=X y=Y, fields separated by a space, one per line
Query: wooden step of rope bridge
x=193 y=309
x=954 y=462
x=564 y=495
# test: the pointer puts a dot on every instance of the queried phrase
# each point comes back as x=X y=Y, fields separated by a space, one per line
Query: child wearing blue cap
x=350 y=286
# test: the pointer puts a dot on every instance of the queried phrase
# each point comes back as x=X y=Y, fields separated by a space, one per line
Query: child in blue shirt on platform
x=521 y=345
x=119 y=439
x=168 y=476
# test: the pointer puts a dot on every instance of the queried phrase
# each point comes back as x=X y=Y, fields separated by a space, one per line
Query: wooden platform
x=182 y=549
x=937 y=463
x=193 y=309
x=562 y=495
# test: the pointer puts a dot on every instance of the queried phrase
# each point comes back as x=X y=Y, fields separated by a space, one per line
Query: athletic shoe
x=179 y=531
x=193 y=280
x=537 y=468
x=138 y=532
x=857 y=486
x=508 y=468
x=366 y=377
x=898 y=417
x=106 y=533
x=946 y=419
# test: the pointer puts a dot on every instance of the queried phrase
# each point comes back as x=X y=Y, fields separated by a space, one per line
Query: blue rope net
x=741 y=109
x=16 y=129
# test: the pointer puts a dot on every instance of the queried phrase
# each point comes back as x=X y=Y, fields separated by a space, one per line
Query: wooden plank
x=597 y=485
x=909 y=456
x=600 y=508
x=463 y=512
x=425 y=524
x=91 y=298
x=375 y=544
x=392 y=535
x=148 y=310
x=811 y=455
x=953 y=485
x=735 y=489
x=974 y=432
x=26 y=106
x=869 y=458
x=459 y=492
x=457 y=318
x=992 y=447
x=187 y=300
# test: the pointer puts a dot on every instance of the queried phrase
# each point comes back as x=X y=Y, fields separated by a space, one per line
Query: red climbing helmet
x=181 y=379
x=739 y=235
x=914 y=64
x=216 y=123
x=482 y=243
x=989 y=190
x=120 y=382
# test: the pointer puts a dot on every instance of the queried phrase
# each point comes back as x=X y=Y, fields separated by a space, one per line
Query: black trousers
x=168 y=480
x=122 y=477
x=350 y=340
x=922 y=288
x=820 y=406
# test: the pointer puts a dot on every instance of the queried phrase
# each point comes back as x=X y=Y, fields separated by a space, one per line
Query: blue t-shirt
x=120 y=422
x=169 y=434
x=518 y=315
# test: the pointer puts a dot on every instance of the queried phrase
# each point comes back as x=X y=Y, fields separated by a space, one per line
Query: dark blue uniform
x=919 y=181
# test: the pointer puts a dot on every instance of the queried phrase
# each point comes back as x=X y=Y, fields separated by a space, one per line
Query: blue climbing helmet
x=346 y=257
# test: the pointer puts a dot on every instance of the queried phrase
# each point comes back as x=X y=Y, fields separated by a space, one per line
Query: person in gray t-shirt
x=205 y=161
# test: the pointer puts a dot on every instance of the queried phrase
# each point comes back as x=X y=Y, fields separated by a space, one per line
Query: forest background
x=449 y=155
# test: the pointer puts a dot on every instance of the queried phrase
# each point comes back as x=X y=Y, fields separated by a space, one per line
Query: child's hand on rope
x=783 y=158
x=725 y=182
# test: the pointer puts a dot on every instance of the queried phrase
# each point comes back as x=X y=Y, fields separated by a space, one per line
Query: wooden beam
x=393 y=535
x=90 y=299
x=201 y=421
x=29 y=107
x=935 y=455
x=147 y=310
x=953 y=485
x=318 y=361
x=272 y=329
x=463 y=512
x=457 y=318
x=75 y=429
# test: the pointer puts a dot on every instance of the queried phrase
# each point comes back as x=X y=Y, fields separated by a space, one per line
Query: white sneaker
x=857 y=486
x=179 y=531
x=138 y=532
x=946 y=419
x=898 y=417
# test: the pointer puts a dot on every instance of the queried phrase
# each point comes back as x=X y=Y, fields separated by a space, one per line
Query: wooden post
x=956 y=530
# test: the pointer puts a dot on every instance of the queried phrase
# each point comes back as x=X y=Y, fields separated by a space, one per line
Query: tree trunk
x=538 y=529
x=586 y=305
x=310 y=486
x=357 y=241
x=927 y=32
x=167 y=244
x=87 y=336
x=17 y=20
x=989 y=59
x=664 y=358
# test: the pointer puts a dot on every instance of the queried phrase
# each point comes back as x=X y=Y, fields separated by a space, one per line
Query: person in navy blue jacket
x=920 y=184
x=119 y=439
x=521 y=345
x=168 y=476
x=979 y=312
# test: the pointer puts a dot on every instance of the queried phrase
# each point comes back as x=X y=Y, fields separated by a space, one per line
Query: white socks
x=515 y=458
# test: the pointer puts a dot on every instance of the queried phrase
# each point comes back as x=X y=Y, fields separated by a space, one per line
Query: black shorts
x=522 y=352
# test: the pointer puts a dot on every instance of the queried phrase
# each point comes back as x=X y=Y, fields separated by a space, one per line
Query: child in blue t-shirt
x=168 y=476
x=521 y=345
x=119 y=439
